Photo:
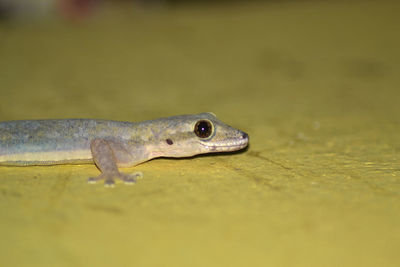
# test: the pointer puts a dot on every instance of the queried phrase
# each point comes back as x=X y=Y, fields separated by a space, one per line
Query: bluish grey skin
x=113 y=144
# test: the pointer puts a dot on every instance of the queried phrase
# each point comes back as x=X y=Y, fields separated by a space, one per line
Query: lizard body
x=113 y=144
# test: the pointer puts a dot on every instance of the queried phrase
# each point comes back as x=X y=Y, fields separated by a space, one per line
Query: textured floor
x=316 y=86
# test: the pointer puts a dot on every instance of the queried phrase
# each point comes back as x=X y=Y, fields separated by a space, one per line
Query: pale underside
x=82 y=156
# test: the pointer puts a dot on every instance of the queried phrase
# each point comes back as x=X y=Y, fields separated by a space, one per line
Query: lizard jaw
x=227 y=146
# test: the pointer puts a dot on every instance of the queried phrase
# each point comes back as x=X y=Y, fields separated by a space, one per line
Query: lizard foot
x=109 y=179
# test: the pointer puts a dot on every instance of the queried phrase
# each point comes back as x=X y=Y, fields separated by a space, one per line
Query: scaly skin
x=112 y=144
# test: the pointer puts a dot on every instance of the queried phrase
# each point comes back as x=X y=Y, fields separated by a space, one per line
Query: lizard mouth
x=230 y=145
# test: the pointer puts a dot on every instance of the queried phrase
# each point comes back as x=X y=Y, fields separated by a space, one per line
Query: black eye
x=203 y=129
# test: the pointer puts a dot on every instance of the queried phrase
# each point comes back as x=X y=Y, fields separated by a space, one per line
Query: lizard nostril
x=245 y=135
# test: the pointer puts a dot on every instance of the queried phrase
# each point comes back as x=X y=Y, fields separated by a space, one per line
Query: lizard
x=111 y=145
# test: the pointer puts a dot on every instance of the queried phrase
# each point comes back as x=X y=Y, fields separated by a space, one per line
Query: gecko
x=111 y=145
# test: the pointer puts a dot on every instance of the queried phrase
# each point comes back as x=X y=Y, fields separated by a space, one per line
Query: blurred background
x=315 y=84
x=81 y=8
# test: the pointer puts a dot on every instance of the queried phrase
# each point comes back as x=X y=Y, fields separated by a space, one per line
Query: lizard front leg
x=106 y=158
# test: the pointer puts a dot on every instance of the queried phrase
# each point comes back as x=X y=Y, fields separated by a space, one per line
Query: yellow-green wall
x=315 y=85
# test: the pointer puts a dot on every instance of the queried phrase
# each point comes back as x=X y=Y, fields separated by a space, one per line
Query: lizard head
x=188 y=135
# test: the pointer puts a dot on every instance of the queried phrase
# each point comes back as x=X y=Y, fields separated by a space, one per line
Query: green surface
x=315 y=85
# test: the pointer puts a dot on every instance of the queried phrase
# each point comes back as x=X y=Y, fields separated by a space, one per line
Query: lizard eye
x=203 y=129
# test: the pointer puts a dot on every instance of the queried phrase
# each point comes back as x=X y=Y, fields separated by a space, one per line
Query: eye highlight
x=203 y=128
